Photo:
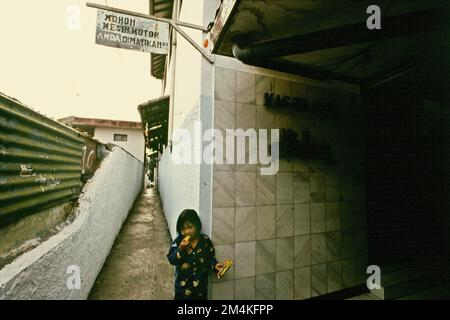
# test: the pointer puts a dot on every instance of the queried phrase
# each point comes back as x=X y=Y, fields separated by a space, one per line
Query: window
x=120 y=137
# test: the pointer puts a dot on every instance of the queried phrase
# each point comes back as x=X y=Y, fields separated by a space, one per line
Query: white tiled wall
x=299 y=233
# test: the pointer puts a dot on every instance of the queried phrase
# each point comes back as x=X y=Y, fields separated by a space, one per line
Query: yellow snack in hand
x=227 y=265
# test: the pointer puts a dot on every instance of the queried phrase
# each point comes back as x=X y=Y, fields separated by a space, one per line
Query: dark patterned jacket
x=192 y=267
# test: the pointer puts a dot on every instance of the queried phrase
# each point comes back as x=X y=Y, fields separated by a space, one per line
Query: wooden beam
x=394 y=26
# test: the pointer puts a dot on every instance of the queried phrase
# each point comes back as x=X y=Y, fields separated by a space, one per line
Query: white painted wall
x=134 y=145
x=188 y=62
x=179 y=183
x=190 y=186
x=207 y=116
x=41 y=273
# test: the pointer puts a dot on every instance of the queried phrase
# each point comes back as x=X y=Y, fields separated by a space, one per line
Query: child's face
x=189 y=229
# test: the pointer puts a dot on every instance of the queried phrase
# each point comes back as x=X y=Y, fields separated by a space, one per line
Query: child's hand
x=218 y=266
x=184 y=244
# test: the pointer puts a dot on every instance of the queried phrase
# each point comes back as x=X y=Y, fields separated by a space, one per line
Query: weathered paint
x=41 y=161
x=45 y=271
x=223 y=13
x=130 y=32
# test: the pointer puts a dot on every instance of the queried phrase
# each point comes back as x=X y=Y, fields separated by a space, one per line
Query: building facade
x=295 y=234
x=316 y=224
x=126 y=134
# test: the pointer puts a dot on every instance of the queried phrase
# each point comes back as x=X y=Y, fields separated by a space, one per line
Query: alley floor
x=137 y=267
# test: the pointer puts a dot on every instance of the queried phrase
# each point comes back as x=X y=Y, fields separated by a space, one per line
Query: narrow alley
x=137 y=267
x=296 y=150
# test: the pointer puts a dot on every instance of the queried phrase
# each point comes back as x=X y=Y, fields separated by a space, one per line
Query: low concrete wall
x=45 y=271
x=32 y=230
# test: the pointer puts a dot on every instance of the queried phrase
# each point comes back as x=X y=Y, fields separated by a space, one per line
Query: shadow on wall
x=408 y=169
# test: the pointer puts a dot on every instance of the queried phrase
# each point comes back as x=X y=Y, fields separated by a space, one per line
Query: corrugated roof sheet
x=41 y=161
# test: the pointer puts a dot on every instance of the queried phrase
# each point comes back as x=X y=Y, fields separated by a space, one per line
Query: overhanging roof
x=155 y=117
x=107 y=123
x=327 y=38
x=162 y=9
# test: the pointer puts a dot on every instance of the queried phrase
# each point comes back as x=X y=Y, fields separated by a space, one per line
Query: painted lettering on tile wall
x=279 y=101
x=323 y=109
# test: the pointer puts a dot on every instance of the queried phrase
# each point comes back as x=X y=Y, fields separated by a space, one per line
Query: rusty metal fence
x=42 y=161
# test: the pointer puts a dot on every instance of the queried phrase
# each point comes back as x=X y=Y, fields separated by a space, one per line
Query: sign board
x=131 y=32
x=224 y=12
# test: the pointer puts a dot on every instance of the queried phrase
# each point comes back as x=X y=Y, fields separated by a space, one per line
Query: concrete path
x=137 y=267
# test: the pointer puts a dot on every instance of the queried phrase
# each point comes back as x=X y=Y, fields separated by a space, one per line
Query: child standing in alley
x=193 y=255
